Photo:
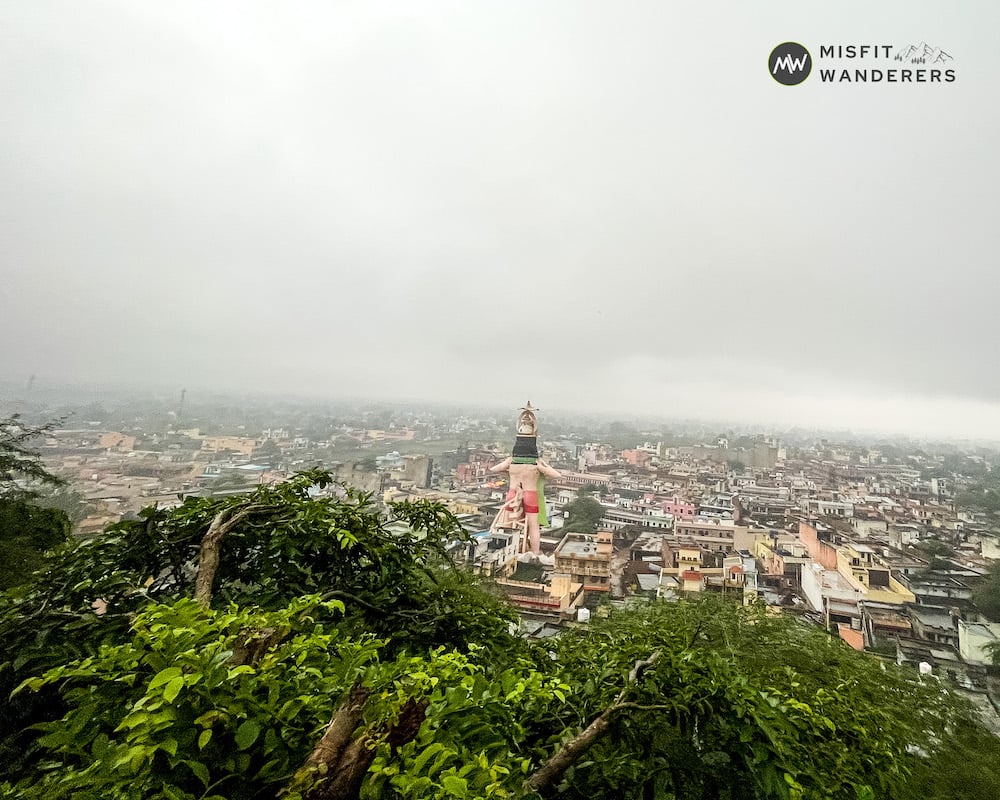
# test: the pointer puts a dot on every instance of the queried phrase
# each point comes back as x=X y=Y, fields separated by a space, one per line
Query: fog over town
x=600 y=208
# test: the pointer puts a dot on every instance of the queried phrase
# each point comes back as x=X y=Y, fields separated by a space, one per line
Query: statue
x=524 y=508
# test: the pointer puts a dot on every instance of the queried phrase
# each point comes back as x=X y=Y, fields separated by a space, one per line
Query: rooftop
x=578 y=547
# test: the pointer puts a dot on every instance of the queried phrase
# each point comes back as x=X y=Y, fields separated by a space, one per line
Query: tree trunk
x=208 y=557
x=338 y=764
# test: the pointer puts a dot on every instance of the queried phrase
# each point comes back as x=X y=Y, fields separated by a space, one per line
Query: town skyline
x=69 y=398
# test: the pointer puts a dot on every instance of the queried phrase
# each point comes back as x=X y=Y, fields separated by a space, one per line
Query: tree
x=986 y=594
x=232 y=480
x=65 y=499
x=737 y=703
x=585 y=514
x=27 y=531
x=264 y=548
x=19 y=462
x=934 y=547
x=982 y=496
x=288 y=644
x=993 y=648
x=269 y=451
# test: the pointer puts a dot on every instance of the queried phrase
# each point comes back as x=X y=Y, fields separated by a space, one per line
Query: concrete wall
x=973 y=638
x=820 y=551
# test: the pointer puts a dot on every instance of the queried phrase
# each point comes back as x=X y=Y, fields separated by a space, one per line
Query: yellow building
x=561 y=595
x=860 y=565
x=586 y=559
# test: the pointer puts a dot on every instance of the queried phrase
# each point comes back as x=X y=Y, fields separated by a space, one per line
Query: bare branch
x=548 y=775
x=337 y=765
x=208 y=557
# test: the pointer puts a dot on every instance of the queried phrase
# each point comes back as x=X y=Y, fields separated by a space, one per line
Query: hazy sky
x=596 y=205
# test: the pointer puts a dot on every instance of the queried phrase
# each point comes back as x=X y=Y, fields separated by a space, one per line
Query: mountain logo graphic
x=922 y=53
x=789 y=63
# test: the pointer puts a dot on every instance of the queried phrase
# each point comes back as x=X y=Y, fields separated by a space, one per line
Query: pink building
x=821 y=552
x=637 y=458
x=680 y=509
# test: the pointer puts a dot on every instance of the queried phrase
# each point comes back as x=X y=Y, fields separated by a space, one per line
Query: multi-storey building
x=586 y=558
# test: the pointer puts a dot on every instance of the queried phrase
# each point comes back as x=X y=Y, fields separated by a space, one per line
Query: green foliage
x=982 y=496
x=473 y=742
x=18 y=460
x=934 y=547
x=398 y=586
x=26 y=533
x=528 y=571
x=585 y=514
x=986 y=594
x=745 y=704
x=168 y=713
x=965 y=767
x=172 y=712
x=232 y=480
x=65 y=499
x=316 y=601
x=26 y=530
x=289 y=544
x=993 y=648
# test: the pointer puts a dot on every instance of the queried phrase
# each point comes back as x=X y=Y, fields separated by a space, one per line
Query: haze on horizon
x=598 y=207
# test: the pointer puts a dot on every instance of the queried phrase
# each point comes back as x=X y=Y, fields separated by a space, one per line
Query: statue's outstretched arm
x=547 y=471
x=502 y=466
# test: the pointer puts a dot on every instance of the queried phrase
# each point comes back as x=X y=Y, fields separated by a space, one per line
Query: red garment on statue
x=530 y=500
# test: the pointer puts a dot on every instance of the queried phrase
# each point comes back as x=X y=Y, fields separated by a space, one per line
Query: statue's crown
x=527 y=425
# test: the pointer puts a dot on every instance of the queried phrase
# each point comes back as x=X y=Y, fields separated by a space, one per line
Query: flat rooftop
x=578 y=547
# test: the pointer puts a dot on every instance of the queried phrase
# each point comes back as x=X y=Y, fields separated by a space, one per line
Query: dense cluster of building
x=873 y=547
x=869 y=544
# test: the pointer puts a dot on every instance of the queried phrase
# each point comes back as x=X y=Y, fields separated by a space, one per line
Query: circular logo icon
x=790 y=63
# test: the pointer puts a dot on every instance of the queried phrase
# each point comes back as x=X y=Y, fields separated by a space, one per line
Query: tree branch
x=208 y=557
x=547 y=776
x=337 y=765
x=252 y=645
x=335 y=593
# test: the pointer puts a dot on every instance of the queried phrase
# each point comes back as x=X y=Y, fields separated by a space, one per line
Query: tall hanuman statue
x=524 y=508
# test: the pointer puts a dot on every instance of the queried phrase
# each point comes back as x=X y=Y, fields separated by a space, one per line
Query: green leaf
x=164 y=676
x=209 y=718
x=173 y=689
x=458 y=787
x=204 y=738
x=200 y=771
x=424 y=757
x=247 y=734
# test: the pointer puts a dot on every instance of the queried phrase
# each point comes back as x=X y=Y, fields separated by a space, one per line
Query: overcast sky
x=597 y=205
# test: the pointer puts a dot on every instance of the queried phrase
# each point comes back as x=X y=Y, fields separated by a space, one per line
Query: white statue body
x=521 y=507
